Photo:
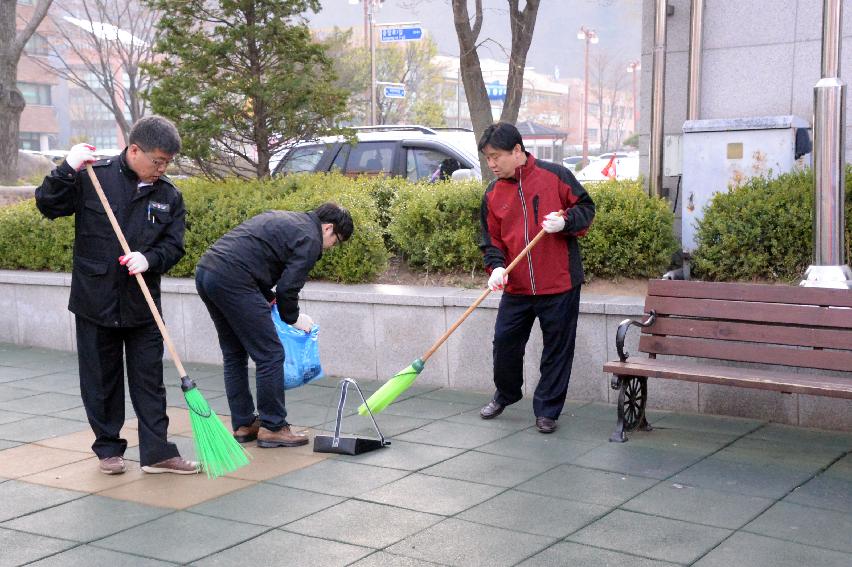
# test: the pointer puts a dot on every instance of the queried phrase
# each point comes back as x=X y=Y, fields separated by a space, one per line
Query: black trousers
x=101 y=355
x=557 y=316
x=242 y=318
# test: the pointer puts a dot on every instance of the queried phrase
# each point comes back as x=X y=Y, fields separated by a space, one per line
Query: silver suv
x=414 y=152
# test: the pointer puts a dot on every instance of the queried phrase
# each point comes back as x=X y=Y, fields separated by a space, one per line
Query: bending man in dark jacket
x=235 y=278
x=111 y=313
x=528 y=194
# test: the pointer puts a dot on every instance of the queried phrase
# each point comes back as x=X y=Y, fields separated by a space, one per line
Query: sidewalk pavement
x=452 y=489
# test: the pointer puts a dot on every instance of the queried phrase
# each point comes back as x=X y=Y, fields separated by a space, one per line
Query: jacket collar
x=526 y=168
x=125 y=167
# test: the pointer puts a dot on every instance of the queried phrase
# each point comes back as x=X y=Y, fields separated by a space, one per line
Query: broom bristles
x=215 y=446
x=390 y=390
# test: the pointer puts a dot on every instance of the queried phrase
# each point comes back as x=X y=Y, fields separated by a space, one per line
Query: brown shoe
x=175 y=465
x=281 y=438
x=492 y=410
x=246 y=433
x=112 y=465
x=545 y=424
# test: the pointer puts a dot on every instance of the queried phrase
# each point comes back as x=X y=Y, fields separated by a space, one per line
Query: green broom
x=391 y=389
x=217 y=450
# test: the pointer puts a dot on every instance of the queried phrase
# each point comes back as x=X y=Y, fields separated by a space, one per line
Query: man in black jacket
x=235 y=278
x=111 y=313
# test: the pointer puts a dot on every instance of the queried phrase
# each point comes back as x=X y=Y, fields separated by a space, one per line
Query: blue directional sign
x=496 y=91
x=392 y=91
x=401 y=34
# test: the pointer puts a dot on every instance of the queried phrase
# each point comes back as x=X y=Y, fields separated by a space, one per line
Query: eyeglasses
x=339 y=240
x=158 y=163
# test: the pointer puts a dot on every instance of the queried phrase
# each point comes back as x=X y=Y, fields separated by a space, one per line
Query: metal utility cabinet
x=723 y=153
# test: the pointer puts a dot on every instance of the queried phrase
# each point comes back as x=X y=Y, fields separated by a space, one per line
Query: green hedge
x=28 y=241
x=761 y=230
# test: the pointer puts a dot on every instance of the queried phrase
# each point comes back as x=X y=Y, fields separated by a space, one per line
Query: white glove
x=135 y=261
x=304 y=323
x=498 y=279
x=80 y=155
x=553 y=222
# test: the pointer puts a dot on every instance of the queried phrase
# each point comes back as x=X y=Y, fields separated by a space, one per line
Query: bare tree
x=608 y=83
x=103 y=47
x=12 y=102
x=522 y=24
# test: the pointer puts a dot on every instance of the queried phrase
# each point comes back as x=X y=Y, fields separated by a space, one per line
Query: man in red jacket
x=527 y=196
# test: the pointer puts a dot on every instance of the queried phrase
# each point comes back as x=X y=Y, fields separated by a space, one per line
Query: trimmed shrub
x=761 y=230
x=435 y=226
x=632 y=236
x=28 y=241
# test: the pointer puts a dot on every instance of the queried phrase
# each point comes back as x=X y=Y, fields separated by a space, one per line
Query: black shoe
x=545 y=424
x=492 y=410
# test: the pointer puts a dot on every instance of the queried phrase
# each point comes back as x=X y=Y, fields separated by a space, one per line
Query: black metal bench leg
x=618 y=436
x=632 y=395
x=643 y=423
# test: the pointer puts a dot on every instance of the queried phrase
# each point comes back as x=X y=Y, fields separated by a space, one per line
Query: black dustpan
x=348 y=445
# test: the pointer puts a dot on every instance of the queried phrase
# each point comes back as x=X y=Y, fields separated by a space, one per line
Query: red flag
x=609 y=170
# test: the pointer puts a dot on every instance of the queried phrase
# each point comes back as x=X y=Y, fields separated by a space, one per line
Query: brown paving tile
x=30 y=459
x=84 y=476
x=178 y=421
x=82 y=440
x=269 y=463
x=174 y=491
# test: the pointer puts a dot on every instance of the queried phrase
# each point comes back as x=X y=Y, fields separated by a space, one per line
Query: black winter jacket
x=152 y=219
x=275 y=248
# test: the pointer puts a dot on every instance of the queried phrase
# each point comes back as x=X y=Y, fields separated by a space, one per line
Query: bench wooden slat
x=751 y=292
x=750 y=332
x=747 y=352
x=776 y=380
x=751 y=311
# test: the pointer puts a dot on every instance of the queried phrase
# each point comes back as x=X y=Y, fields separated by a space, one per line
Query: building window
x=29 y=141
x=26 y=2
x=35 y=93
x=593 y=133
x=37 y=45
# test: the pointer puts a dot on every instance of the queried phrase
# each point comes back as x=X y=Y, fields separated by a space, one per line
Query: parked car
x=571 y=162
x=413 y=152
x=626 y=167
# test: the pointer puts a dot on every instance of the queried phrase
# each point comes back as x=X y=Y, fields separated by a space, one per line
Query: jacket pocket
x=91 y=268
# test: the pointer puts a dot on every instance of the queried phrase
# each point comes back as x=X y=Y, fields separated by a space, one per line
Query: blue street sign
x=401 y=34
x=394 y=91
x=496 y=91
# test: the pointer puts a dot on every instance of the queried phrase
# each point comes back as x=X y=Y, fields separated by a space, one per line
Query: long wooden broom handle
x=145 y=291
x=482 y=297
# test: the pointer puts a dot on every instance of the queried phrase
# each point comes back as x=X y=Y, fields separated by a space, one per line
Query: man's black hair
x=155 y=133
x=502 y=136
x=339 y=218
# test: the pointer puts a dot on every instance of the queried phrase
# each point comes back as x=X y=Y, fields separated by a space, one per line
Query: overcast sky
x=617 y=22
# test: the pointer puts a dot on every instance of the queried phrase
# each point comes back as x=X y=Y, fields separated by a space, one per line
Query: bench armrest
x=622 y=333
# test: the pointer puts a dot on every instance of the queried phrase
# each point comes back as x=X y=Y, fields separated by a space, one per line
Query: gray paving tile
x=639 y=461
x=89 y=556
x=8 y=444
x=477 y=399
x=405 y=456
x=789 y=434
x=21 y=498
x=828 y=491
x=488 y=469
x=339 y=478
x=57 y=382
x=779 y=454
x=364 y=523
x=316 y=394
x=759 y=551
x=742 y=477
x=651 y=536
x=10 y=416
x=704 y=442
x=79 y=414
x=87 y=519
x=309 y=415
x=709 y=423
x=585 y=429
x=390 y=425
x=20 y=548
x=15 y=373
x=449 y=434
x=568 y=553
x=38 y=428
x=266 y=505
x=841 y=468
x=587 y=485
x=534 y=513
x=456 y=542
x=426 y=408
x=510 y=420
x=385 y=559
x=538 y=447
x=278 y=547
x=42 y=403
x=10 y=393
x=181 y=537
x=432 y=494
x=699 y=505
x=805 y=525
x=596 y=411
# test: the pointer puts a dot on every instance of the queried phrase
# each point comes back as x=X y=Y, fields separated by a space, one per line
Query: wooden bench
x=790 y=328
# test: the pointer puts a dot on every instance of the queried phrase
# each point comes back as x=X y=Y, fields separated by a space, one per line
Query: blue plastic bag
x=301 y=353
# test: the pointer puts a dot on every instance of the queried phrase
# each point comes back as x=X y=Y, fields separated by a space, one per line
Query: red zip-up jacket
x=511 y=214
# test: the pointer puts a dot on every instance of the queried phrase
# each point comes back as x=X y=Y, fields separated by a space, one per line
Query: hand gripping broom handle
x=124 y=246
x=482 y=297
